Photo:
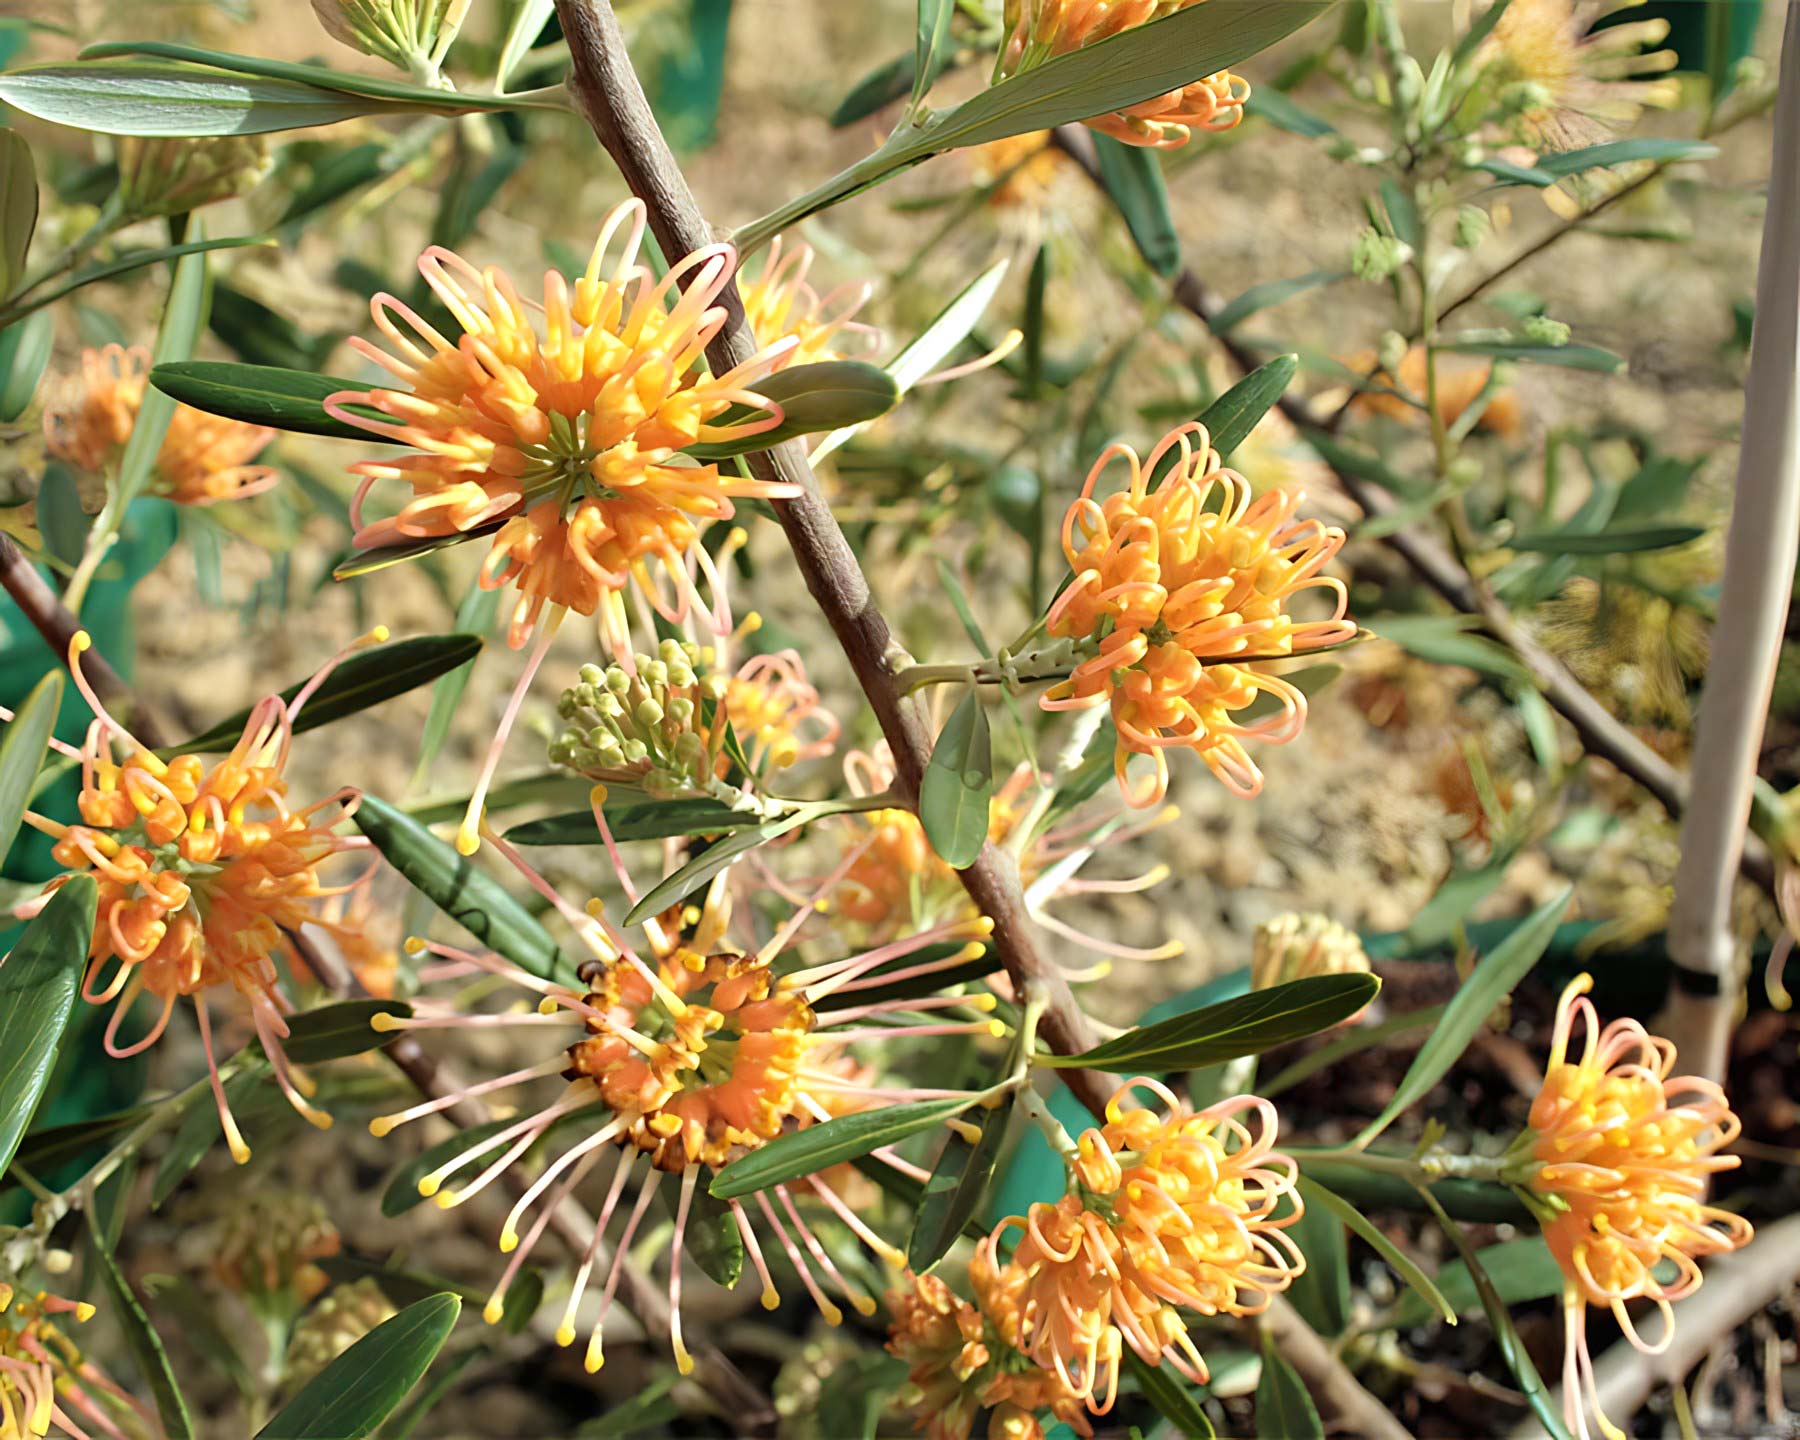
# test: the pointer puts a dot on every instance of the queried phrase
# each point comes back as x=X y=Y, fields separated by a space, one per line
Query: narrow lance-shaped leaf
x=652 y=820
x=335 y=1032
x=808 y=1151
x=1269 y=294
x=1522 y=1270
x=697 y=872
x=1247 y=1025
x=1133 y=178
x=1230 y=419
x=264 y=395
x=958 y=785
x=142 y=1340
x=468 y=896
x=39 y=981
x=953 y=1195
x=122 y=265
x=18 y=208
x=933 y=40
x=1318 y=1198
x=1171 y=1395
x=25 y=347
x=1493 y=980
x=23 y=745
x=361 y=680
x=1609 y=542
x=1282 y=1405
x=363 y=1386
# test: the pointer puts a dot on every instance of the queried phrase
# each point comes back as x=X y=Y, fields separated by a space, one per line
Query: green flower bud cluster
x=645 y=729
x=169 y=175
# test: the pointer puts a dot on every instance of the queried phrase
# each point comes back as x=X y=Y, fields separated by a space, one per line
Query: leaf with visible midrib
x=653 y=820
x=23 y=744
x=959 y=1182
x=39 y=980
x=363 y=1386
x=1230 y=419
x=469 y=897
x=265 y=395
x=145 y=1345
x=1247 y=1025
x=954 y=796
x=818 y=1147
x=364 y=679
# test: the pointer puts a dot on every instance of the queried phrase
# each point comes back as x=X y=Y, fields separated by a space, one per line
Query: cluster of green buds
x=332 y=1326
x=411 y=35
x=166 y=175
x=646 y=729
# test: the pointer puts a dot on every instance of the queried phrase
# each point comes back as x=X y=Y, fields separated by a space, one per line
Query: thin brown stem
x=51 y=619
x=1601 y=733
x=607 y=92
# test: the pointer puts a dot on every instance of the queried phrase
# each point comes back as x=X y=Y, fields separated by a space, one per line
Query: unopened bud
x=410 y=35
x=170 y=176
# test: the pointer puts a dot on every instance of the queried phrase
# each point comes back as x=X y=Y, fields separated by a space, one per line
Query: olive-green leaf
x=1246 y=1025
x=1485 y=1202
x=23 y=744
x=831 y=395
x=363 y=1386
x=1609 y=542
x=1321 y=1292
x=681 y=883
x=122 y=265
x=890 y=81
x=468 y=896
x=379 y=557
x=142 y=1340
x=264 y=395
x=1569 y=357
x=712 y=1236
x=474 y=617
x=1319 y=1199
x=1493 y=980
x=183 y=318
x=18 y=208
x=818 y=1147
x=1269 y=294
x=1230 y=419
x=1444 y=640
x=1663 y=151
x=361 y=680
x=1522 y=1270
x=334 y=1032
x=1133 y=179
x=953 y=1195
x=653 y=820
x=932 y=44
x=1506 y=1335
x=24 y=353
x=958 y=785
x=1282 y=1405
x=1164 y=1388
x=39 y=981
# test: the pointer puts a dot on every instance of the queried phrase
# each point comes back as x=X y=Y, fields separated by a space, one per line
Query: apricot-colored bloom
x=780 y=305
x=690 y=1050
x=1297 y=947
x=895 y=882
x=47 y=1387
x=1182 y=588
x=564 y=442
x=1579 y=82
x=268 y=1243
x=200 y=871
x=965 y=1358
x=1042 y=29
x=1624 y=1156
x=1457 y=389
x=1022 y=169
x=204 y=458
x=1162 y=1212
x=776 y=713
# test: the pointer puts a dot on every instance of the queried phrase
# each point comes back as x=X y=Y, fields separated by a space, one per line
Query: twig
x=1754 y=596
x=1601 y=733
x=740 y=1399
x=1737 y=1286
x=52 y=620
x=607 y=92
x=1333 y=1388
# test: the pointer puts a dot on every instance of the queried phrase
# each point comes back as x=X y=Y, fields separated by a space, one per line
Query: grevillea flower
x=201 y=874
x=687 y=1050
x=1573 y=80
x=564 y=445
x=896 y=883
x=204 y=458
x=47 y=1387
x=780 y=305
x=1457 y=389
x=1021 y=169
x=1624 y=1155
x=266 y=1246
x=1183 y=588
x=1039 y=30
x=566 y=442
x=1297 y=947
x=964 y=1358
x=1164 y=1213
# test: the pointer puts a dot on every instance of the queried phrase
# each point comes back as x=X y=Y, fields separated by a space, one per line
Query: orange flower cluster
x=1167 y=1211
x=1183 y=587
x=200 y=872
x=1043 y=29
x=204 y=458
x=964 y=1358
x=780 y=305
x=45 y=1382
x=1625 y=1155
x=565 y=443
x=775 y=711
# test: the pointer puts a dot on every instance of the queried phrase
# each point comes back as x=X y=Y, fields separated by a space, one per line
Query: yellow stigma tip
x=997 y=1029
x=240 y=1152
x=84 y=1312
x=983 y=1002
x=381 y=1126
x=597 y=796
x=509 y=1241
x=379 y=635
x=684 y=1362
x=770 y=1300
x=752 y=623
x=492 y=1311
x=414 y=945
x=864 y=1305
x=592 y=1363
x=80 y=642
x=565 y=1335
x=833 y=1315
x=383 y=1022
x=595 y=907
x=546 y=1006
x=429 y=1186
x=468 y=841
x=444 y=1199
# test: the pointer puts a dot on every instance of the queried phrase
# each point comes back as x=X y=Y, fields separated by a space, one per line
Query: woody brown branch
x=1600 y=732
